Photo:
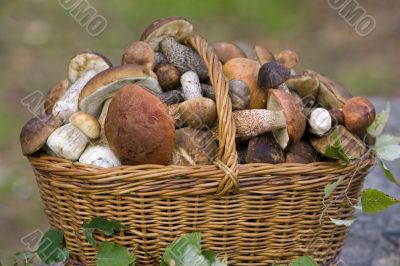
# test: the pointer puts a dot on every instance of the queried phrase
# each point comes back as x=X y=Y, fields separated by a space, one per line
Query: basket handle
x=227 y=159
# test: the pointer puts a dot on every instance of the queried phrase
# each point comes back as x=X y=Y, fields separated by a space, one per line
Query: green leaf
x=380 y=122
x=331 y=187
x=186 y=246
x=303 y=261
x=342 y=222
x=373 y=201
x=389 y=174
x=108 y=227
x=389 y=152
x=52 y=248
x=211 y=256
x=336 y=151
x=111 y=254
x=385 y=140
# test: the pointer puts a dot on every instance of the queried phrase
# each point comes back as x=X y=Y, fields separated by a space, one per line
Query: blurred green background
x=38 y=37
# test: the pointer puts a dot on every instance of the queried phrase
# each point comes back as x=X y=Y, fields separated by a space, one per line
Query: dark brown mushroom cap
x=226 y=51
x=272 y=74
x=264 y=149
x=168 y=76
x=301 y=152
x=36 y=132
x=54 y=95
x=358 y=114
x=139 y=128
x=331 y=95
x=295 y=119
x=177 y=27
x=246 y=70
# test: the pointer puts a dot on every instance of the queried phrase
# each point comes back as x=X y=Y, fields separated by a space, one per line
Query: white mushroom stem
x=319 y=121
x=67 y=142
x=191 y=85
x=68 y=103
x=100 y=156
x=254 y=122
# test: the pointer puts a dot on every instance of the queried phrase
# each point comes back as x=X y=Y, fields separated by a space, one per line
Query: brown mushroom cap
x=264 y=149
x=105 y=84
x=168 y=76
x=86 y=61
x=139 y=128
x=272 y=74
x=177 y=27
x=295 y=119
x=54 y=95
x=301 y=152
x=246 y=70
x=226 y=51
x=263 y=55
x=305 y=86
x=352 y=146
x=358 y=114
x=289 y=58
x=194 y=147
x=36 y=132
x=139 y=53
x=86 y=123
x=331 y=95
x=198 y=112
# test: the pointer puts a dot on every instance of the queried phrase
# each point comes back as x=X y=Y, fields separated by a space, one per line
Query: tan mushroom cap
x=305 y=86
x=139 y=53
x=226 y=51
x=54 y=94
x=331 y=95
x=246 y=70
x=295 y=119
x=86 y=123
x=198 y=112
x=84 y=62
x=263 y=55
x=288 y=57
x=177 y=27
x=105 y=84
x=358 y=114
x=36 y=132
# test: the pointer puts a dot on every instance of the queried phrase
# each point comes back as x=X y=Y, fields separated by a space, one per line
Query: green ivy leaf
x=331 y=187
x=373 y=201
x=176 y=251
x=389 y=152
x=389 y=174
x=376 y=128
x=210 y=256
x=108 y=227
x=52 y=248
x=385 y=140
x=303 y=261
x=342 y=222
x=336 y=151
x=111 y=254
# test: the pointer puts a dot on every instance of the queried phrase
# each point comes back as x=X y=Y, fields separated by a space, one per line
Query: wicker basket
x=256 y=213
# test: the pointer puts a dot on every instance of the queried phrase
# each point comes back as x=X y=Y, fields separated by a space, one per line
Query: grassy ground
x=37 y=38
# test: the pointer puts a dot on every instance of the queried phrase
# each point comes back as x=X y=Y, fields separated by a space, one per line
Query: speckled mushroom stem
x=191 y=87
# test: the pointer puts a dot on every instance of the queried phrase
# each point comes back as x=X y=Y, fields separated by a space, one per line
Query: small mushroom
x=331 y=95
x=194 y=147
x=272 y=75
x=36 y=132
x=176 y=27
x=85 y=62
x=226 y=51
x=319 y=121
x=289 y=58
x=263 y=55
x=301 y=152
x=168 y=76
x=67 y=142
x=86 y=123
x=352 y=146
x=171 y=97
x=246 y=70
x=305 y=86
x=105 y=84
x=139 y=128
x=139 y=53
x=68 y=103
x=54 y=95
x=238 y=92
x=265 y=149
x=183 y=58
x=196 y=111
x=358 y=114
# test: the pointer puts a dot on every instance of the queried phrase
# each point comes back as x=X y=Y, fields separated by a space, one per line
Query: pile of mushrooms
x=158 y=107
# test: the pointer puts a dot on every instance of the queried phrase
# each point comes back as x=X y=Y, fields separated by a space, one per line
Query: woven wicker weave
x=256 y=213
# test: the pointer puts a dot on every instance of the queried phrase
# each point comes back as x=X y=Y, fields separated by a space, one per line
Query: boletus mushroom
x=263 y=55
x=301 y=152
x=139 y=128
x=194 y=147
x=319 y=121
x=265 y=149
x=139 y=53
x=226 y=51
x=358 y=114
x=272 y=75
x=168 y=76
x=85 y=62
x=288 y=57
x=54 y=94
